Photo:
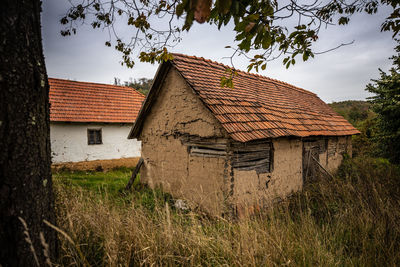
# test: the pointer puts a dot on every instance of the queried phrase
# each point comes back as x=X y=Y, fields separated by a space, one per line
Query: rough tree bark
x=25 y=176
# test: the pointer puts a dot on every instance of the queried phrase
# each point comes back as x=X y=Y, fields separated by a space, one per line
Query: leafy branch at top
x=276 y=29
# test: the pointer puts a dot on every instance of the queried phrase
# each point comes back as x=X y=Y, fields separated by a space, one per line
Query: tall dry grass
x=352 y=220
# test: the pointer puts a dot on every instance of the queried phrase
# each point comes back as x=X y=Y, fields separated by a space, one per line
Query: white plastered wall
x=69 y=142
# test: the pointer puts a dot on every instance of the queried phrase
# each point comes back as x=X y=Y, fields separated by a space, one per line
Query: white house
x=91 y=121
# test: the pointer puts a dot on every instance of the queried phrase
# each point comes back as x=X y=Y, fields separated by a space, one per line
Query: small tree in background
x=386 y=104
x=143 y=85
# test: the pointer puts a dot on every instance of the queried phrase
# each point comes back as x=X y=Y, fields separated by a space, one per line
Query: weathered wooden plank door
x=310 y=159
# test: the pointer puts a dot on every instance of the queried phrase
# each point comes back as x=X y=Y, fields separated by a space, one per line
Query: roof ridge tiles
x=59 y=80
x=86 y=101
x=257 y=107
x=246 y=73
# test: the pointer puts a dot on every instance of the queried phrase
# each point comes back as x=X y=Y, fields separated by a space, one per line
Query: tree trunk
x=25 y=175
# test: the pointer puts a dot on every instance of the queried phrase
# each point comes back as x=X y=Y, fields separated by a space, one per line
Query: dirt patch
x=97 y=165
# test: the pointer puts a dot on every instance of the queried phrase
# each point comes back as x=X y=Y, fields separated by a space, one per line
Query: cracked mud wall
x=332 y=157
x=254 y=191
x=167 y=163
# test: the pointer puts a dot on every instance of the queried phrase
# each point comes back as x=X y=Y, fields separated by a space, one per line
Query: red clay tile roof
x=259 y=107
x=73 y=101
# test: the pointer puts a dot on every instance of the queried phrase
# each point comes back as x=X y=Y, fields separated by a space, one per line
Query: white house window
x=94 y=137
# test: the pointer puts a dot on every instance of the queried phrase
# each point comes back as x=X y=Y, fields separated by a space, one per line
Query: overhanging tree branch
x=266 y=26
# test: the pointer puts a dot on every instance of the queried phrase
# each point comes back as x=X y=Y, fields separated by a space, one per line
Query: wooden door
x=310 y=161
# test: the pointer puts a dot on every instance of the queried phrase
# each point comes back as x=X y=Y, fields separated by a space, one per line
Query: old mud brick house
x=233 y=149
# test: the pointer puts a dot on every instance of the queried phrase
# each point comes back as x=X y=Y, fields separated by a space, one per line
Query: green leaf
x=179 y=9
x=245 y=45
x=223 y=6
x=343 y=20
x=266 y=42
x=286 y=59
x=189 y=21
x=305 y=56
x=300 y=27
x=253 y=17
x=241 y=26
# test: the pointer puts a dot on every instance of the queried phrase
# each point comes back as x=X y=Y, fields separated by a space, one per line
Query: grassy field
x=110 y=181
x=350 y=221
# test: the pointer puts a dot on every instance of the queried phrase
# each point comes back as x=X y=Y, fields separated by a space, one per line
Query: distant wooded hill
x=143 y=85
x=355 y=111
x=363 y=118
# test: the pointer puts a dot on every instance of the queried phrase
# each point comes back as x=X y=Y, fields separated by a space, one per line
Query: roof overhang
x=275 y=120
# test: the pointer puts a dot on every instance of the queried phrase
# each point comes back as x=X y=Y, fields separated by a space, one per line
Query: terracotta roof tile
x=73 y=101
x=259 y=107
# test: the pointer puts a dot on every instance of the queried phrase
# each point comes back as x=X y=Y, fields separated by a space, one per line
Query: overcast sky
x=338 y=75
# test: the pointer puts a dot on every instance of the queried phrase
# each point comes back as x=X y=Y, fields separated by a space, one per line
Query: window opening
x=94 y=137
